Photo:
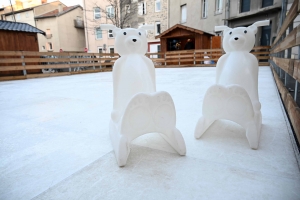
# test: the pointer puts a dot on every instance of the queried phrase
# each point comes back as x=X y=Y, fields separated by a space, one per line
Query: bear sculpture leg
x=232 y=103
x=146 y=113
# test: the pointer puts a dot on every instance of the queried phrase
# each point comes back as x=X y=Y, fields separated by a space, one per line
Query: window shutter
x=145 y=8
x=140 y=8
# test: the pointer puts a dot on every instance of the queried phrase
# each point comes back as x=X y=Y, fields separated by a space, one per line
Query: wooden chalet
x=176 y=37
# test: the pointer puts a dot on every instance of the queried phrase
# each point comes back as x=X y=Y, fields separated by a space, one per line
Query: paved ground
x=54 y=144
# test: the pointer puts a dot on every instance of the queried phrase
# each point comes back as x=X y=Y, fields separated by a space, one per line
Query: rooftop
x=56 y=13
x=18 y=26
x=55 y=144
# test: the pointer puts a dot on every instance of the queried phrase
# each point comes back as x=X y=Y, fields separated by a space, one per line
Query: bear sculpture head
x=129 y=40
x=240 y=38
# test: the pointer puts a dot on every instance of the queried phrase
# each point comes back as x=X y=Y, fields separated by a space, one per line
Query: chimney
x=60 y=8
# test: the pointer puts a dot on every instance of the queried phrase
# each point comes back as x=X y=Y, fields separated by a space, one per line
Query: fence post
x=93 y=60
x=165 y=59
x=194 y=57
x=69 y=56
x=23 y=64
x=100 y=61
x=179 y=59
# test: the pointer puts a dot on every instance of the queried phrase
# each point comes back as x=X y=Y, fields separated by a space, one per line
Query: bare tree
x=120 y=13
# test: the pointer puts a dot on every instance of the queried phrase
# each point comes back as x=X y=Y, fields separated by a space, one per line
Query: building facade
x=198 y=14
x=133 y=13
x=64 y=30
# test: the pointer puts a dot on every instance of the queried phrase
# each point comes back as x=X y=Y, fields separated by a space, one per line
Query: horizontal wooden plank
x=44 y=60
x=296 y=72
x=292 y=14
x=10 y=53
x=263 y=64
x=285 y=63
x=261 y=47
x=47 y=75
x=263 y=57
x=289 y=41
x=260 y=53
x=11 y=60
x=290 y=105
x=11 y=68
x=60 y=66
x=9 y=78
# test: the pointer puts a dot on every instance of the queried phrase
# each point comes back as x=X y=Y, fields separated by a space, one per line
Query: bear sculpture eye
x=245 y=31
x=124 y=33
x=230 y=33
x=140 y=33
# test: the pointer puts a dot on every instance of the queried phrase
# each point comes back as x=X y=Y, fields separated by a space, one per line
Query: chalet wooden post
x=179 y=59
x=23 y=64
x=100 y=61
x=194 y=57
x=69 y=56
x=165 y=59
x=93 y=60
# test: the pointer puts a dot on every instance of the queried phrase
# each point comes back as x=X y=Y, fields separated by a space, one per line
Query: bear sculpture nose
x=236 y=38
x=134 y=40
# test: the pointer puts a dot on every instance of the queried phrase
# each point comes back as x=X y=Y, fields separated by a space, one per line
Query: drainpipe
x=86 y=30
x=12 y=10
x=227 y=12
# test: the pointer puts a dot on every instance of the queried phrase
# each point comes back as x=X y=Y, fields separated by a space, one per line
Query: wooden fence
x=286 y=70
x=28 y=64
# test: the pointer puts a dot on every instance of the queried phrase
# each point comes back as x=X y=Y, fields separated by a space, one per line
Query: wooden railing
x=201 y=57
x=286 y=70
x=27 y=64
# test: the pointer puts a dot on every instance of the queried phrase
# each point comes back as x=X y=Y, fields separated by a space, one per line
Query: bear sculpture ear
x=259 y=23
x=110 y=27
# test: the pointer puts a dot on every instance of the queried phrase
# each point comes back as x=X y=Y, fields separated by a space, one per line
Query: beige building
x=63 y=25
x=199 y=14
x=27 y=15
x=64 y=30
x=98 y=40
x=141 y=12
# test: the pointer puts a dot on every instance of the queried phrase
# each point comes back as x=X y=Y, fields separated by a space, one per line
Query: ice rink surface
x=54 y=144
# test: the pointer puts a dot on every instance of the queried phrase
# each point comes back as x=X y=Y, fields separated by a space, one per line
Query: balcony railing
x=48 y=36
x=78 y=23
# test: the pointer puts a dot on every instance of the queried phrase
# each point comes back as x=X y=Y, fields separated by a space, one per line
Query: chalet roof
x=181 y=27
x=18 y=26
x=56 y=13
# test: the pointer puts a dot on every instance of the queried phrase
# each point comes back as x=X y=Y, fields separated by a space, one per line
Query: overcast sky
x=66 y=2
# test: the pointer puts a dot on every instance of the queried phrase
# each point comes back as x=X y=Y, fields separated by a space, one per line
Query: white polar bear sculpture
x=235 y=95
x=137 y=107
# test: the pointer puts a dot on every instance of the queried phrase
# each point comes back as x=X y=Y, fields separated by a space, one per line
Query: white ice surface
x=54 y=144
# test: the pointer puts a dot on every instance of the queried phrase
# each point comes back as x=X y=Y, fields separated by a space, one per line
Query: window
x=127 y=9
x=110 y=12
x=204 y=8
x=110 y=34
x=98 y=33
x=183 y=13
x=27 y=14
x=111 y=51
x=157 y=28
x=100 y=50
x=245 y=5
x=18 y=16
x=50 y=47
x=266 y=3
x=142 y=8
x=157 y=5
x=219 y=6
x=97 y=13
